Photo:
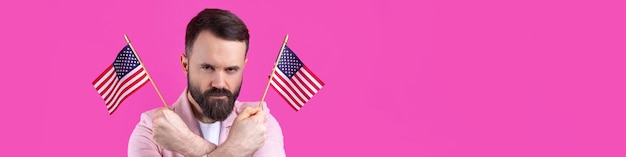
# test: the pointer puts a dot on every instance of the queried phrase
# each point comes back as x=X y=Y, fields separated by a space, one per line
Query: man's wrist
x=228 y=148
x=197 y=146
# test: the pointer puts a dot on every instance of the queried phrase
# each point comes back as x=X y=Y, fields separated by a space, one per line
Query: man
x=207 y=119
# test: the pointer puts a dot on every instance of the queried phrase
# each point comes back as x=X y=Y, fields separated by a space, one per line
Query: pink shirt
x=141 y=143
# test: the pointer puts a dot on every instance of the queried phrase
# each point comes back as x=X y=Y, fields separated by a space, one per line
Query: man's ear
x=184 y=62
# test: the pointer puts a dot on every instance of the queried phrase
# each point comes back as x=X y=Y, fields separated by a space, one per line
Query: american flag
x=293 y=80
x=120 y=79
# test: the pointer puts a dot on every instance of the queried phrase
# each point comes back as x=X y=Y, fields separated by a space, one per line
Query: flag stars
x=289 y=63
x=125 y=62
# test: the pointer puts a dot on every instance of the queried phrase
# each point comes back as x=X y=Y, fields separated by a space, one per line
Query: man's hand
x=248 y=132
x=171 y=133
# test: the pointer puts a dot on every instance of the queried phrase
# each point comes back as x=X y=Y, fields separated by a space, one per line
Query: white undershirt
x=211 y=132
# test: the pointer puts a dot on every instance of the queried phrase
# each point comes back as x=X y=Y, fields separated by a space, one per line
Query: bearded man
x=207 y=119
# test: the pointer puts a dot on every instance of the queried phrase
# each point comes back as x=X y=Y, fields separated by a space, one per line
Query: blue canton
x=125 y=62
x=289 y=63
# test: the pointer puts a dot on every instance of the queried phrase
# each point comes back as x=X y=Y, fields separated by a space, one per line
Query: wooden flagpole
x=273 y=70
x=144 y=68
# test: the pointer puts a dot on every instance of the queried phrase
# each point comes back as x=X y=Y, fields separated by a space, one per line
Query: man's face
x=214 y=74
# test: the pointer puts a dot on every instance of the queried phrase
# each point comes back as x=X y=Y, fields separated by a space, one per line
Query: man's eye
x=207 y=67
x=231 y=70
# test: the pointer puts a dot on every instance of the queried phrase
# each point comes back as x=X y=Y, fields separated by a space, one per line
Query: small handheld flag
x=293 y=80
x=122 y=78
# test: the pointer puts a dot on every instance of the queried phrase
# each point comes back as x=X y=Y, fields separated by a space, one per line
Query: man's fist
x=248 y=131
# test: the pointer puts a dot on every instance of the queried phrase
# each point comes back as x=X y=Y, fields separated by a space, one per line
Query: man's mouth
x=218 y=96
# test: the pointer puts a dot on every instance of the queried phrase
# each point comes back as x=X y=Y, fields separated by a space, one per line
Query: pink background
x=403 y=78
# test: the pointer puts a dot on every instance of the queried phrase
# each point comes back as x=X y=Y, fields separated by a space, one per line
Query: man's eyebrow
x=207 y=65
x=235 y=67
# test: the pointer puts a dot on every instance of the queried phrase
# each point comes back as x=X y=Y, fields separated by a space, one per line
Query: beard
x=215 y=109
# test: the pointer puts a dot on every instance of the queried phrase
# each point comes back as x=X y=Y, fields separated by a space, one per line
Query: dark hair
x=222 y=23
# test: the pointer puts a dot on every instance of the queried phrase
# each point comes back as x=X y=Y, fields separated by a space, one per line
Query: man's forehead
x=216 y=60
x=211 y=48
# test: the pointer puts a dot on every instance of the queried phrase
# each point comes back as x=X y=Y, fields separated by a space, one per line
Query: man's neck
x=197 y=111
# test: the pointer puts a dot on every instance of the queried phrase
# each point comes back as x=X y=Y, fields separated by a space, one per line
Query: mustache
x=218 y=92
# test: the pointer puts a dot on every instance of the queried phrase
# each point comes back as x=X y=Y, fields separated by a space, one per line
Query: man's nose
x=218 y=81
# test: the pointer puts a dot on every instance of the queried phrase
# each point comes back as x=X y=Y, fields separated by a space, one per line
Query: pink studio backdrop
x=403 y=78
